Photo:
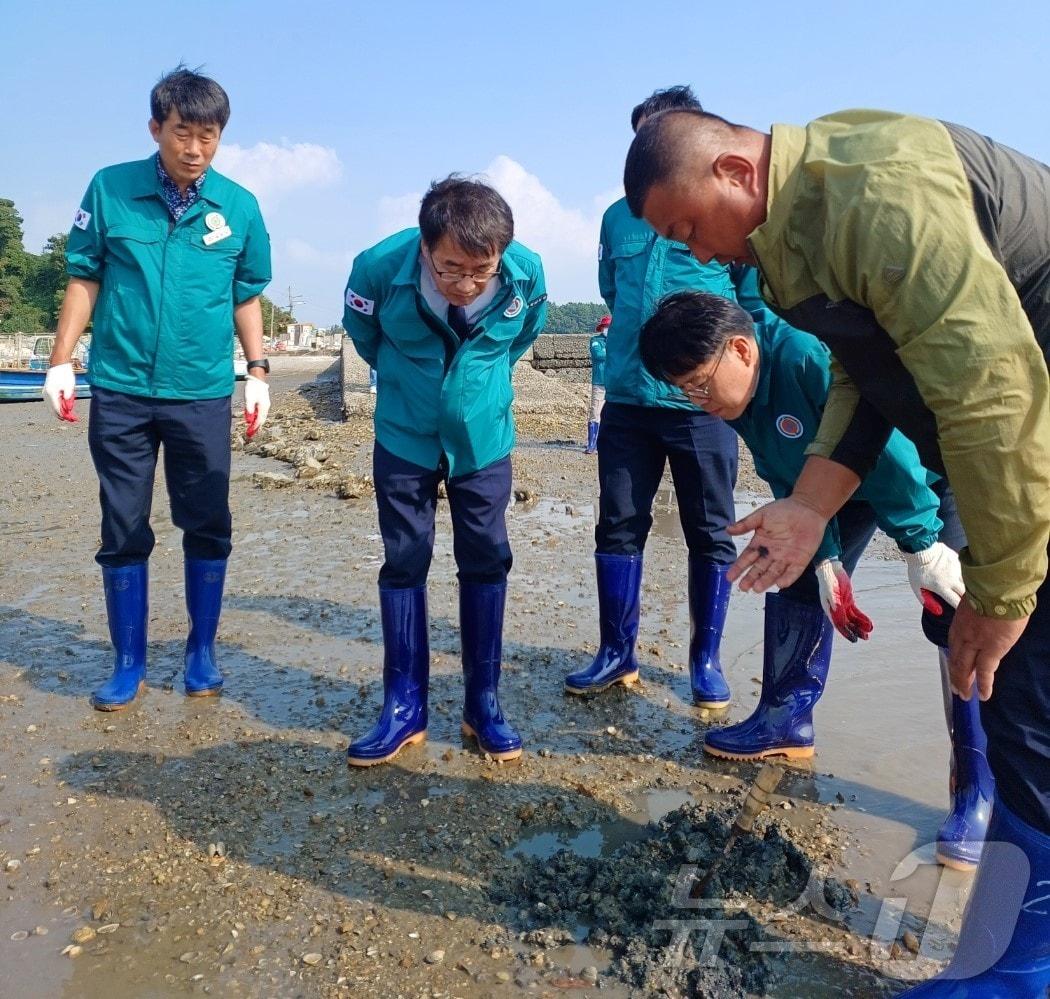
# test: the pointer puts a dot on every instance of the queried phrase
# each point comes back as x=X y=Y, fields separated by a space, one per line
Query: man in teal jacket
x=647 y=424
x=598 y=345
x=169 y=258
x=771 y=382
x=443 y=313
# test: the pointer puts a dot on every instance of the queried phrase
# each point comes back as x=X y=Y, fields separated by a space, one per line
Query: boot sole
x=712 y=705
x=412 y=740
x=954 y=863
x=510 y=754
x=624 y=681
x=119 y=707
x=211 y=692
x=789 y=752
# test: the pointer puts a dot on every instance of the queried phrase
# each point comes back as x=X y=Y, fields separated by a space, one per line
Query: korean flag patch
x=81 y=219
x=363 y=305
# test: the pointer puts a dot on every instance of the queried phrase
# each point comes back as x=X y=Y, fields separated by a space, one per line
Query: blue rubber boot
x=709 y=593
x=619 y=606
x=795 y=664
x=1004 y=942
x=961 y=836
x=205 y=579
x=592 y=438
x=481 y=635
x=127 y=606
x=406 y=679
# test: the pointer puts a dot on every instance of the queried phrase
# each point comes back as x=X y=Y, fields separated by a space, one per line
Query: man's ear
x=736 y=169
x=154 y=129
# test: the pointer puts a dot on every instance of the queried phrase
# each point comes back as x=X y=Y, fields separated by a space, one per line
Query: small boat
x=23 y=367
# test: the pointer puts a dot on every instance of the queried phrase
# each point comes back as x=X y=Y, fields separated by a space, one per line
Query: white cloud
x=269 y=170
x=566 y=238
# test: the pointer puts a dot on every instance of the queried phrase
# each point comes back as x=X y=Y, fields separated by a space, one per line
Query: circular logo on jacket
x=789 y=426
x=514 y=308
x=213 y=220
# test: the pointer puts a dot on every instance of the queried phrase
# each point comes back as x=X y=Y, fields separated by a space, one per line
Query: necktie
x=457 y=319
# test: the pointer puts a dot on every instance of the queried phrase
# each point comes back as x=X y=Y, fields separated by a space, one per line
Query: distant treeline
x=574 y=317
x=32 y=285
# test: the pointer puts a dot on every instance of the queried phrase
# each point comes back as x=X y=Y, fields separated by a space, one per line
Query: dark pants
x=125 y=435
x=406 y=495
x=634 y=444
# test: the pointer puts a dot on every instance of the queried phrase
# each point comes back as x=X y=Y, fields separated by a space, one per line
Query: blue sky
x=344 y=112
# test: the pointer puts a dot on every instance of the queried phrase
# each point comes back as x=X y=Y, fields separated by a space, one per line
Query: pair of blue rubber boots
x=406 y=674
x=127 y=606
x=619 y=608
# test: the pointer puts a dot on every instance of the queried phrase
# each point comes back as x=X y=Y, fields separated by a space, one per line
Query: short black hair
x=668 y=99
x=198 y=99
x=656 y=152
x=472 y=214
x=688 y=329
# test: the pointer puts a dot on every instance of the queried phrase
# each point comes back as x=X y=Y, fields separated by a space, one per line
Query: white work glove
x=935 y=575
x=60 y=390
x=836 y=597
x=256 y=403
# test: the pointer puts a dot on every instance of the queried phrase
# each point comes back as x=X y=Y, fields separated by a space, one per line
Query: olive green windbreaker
x=876 y=209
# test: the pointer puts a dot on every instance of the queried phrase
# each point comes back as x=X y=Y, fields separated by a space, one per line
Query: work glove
x=256 y=403
x=836 y=597
x=60 y=390
x=935 y=576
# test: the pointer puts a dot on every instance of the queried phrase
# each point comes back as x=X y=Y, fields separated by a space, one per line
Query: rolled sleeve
x=253 y=266
x=86 y=247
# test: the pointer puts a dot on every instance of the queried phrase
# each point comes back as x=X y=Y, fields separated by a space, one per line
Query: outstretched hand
x=787 y=535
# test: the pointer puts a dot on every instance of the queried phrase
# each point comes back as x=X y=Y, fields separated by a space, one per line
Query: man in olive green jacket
x=443 y=313
x=920 y=252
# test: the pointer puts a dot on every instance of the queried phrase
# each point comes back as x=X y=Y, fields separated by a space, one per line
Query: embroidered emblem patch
x=81 y=219
x=789 y=426
x=363 y=305
x=514 y=308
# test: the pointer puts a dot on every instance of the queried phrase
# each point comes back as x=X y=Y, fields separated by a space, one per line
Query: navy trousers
x=406 y=495
x=125 y=434
x=634 y=445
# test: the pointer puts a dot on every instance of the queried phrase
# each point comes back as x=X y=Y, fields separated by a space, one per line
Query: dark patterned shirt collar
x=177 y=204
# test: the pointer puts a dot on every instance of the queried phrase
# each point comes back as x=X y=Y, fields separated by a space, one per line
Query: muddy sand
x=222 y=847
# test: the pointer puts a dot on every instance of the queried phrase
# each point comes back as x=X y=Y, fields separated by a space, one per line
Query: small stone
x=188 y=957
x=435 y=957
x=311 y=959
x=610 y=730
x=911 y=941
x=30 y=729
x=590 y=974
x=40 y=931
x=100 y=909
x=503 y=976
x=82 y=934
x=72 y=950
x=12 y=865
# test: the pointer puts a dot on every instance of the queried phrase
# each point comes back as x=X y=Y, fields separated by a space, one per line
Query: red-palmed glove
x=256 y=404
x=60 y=390
x=836 y=597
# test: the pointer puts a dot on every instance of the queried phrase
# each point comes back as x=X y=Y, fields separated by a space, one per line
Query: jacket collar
x=146 y=183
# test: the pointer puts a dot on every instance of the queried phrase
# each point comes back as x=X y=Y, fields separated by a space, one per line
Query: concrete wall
x=565 y=355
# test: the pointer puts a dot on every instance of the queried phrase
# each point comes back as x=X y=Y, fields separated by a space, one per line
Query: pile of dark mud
x=641 y=903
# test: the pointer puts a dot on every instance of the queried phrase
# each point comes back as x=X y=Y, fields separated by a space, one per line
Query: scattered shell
x=72 y=950
x=82 y=934
x=109 y=928
x=435 y=957
x=12 y=865
x=311 y=959
x=19 y=935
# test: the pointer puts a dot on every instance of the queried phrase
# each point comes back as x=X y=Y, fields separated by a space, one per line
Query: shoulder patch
x=537 y=300
x=516 y=305
x=358 y=303
x=789 y=426
x=81 y=218
x=601 y=251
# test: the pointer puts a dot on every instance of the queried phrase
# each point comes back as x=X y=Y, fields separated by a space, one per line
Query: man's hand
x=976 y=645
x=935 y=572
x=836 y=597
x=787 y=535
x=60 y=390
x=256 y=403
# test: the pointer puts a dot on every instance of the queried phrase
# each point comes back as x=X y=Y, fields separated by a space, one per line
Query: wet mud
x=221 y=846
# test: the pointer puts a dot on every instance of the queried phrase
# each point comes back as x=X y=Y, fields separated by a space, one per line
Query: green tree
x=14 y=268
x=574 y=317
x=275 y=319
x=48 y=282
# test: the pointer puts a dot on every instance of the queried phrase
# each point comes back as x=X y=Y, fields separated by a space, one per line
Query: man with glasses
x=645 y=425
x=770 y=382
x=443 y=312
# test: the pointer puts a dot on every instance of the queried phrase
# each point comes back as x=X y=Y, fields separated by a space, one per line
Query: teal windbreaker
x=440 y=395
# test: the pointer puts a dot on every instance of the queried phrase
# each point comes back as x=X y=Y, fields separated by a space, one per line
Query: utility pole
x=293 y=301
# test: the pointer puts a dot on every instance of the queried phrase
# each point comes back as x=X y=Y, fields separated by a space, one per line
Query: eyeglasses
x=702 y=388
x=454 y=277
